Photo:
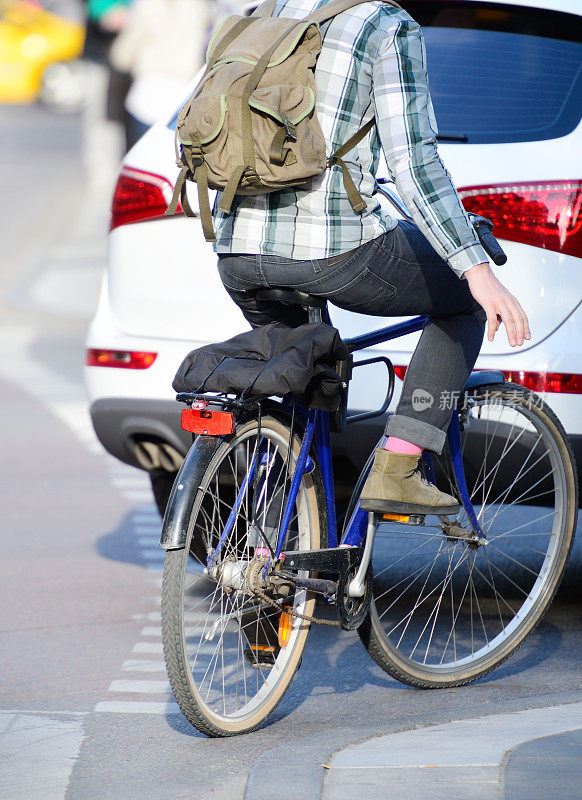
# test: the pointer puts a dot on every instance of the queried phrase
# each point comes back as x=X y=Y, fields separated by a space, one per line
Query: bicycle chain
x=265 y=597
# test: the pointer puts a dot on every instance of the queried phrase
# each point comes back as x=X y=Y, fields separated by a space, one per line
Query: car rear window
x=501 y=73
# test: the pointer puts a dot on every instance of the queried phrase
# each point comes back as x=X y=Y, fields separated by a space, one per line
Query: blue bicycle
x=252 y=539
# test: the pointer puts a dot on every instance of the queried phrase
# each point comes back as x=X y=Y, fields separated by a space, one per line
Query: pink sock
x=402 y=446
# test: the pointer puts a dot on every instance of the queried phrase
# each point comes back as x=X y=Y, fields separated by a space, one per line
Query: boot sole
x=400 y=507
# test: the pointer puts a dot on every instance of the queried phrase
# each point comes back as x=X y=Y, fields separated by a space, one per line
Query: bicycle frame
x=317 y=428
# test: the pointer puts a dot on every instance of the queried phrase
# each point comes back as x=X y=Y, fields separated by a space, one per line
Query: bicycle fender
x=185 y=490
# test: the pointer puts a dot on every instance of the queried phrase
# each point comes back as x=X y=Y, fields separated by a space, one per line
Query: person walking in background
x=162 y=47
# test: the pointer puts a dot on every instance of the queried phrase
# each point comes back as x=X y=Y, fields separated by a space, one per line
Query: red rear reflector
x=400 y=371
x=211 y=423
x=123 y=359
x=139 y=196
x=545 y=214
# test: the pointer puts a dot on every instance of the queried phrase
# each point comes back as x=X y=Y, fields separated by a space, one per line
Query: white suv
x=507 y=89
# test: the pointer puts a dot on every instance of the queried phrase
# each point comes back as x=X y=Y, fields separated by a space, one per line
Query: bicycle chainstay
x=287 y=610
x=341 y=561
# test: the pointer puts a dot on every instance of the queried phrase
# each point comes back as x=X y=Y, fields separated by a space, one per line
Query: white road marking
x=150 y=541
x=136 y=707
x=142 y=665
x=154 y=616
x=151 y=630
x=37 y=754
x=138 y=496
x=147 y=647
x=141 y=687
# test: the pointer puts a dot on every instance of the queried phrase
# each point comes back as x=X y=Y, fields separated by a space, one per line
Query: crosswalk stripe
x=141 y=687
x=143 y=665
x=147 y=647
x=151 y=630
x=134 y=707
x=150 y=541
x=153 y=553
x=154 y=616
x=137 y=495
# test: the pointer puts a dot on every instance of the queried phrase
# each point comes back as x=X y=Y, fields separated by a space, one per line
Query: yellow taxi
x=31 y=39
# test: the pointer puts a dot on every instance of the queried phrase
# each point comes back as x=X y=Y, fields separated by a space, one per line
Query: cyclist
x=373 y=63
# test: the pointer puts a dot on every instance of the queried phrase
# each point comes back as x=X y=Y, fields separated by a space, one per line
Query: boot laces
x=422 y=477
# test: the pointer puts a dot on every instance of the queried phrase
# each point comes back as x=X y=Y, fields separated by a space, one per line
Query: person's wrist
x=479 y=269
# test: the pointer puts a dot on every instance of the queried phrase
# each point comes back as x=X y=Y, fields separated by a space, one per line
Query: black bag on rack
x=270 y=360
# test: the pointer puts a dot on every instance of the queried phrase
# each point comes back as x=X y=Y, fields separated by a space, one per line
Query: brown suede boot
x=395 y=486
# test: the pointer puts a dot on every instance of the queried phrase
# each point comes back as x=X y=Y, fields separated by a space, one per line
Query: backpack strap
x=357 y=201
x=265 y=9
x=223 y=43
x=322 y=14
x=250 y=86
x=329 y=10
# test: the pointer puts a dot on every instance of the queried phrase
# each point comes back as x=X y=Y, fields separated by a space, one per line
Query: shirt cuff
x=467 y=257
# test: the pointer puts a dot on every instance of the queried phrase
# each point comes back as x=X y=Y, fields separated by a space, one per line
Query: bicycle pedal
x=405 y=519
x=261 y=656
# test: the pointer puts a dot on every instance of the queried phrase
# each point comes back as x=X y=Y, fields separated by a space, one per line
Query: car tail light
x=545 y=214
x=400 y=371
x=139 y=196
x=558 y=382
x=119 y=358
x=211 y=423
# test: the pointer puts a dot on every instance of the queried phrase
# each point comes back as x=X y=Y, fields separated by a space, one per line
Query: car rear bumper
x=123 y=425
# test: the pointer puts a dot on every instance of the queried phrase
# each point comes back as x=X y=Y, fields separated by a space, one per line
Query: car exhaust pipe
x=147 y=455
x=170 y=459
x=152 y=456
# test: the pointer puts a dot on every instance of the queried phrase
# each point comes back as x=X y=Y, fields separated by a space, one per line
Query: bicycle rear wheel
x=230 y=656
x=447 y=609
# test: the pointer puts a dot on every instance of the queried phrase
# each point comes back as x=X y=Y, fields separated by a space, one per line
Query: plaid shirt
x=373 y=62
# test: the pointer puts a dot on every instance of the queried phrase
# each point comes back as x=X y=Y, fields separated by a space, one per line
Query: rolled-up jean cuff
x=419 y=433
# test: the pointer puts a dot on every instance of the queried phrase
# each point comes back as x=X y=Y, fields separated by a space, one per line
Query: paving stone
x=549 y=767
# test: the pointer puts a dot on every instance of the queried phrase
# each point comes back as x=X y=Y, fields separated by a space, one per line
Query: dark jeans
x=398 y=274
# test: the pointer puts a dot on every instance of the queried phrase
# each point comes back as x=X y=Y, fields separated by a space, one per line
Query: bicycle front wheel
x=446 y=608
x=231 y=655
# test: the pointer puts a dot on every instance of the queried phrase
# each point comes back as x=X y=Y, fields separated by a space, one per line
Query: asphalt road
x=79 y=617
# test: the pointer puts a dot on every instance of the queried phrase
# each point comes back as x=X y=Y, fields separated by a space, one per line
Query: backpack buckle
x=290 y=130
x=251 y=177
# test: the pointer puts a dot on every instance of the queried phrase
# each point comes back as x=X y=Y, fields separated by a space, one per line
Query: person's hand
x=499 y=305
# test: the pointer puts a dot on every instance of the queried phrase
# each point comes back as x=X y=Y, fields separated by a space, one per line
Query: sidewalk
x=534 y=753
x=538 y=751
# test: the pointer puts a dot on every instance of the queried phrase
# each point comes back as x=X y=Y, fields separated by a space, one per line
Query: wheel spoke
x=228 y=637
x=448 y=606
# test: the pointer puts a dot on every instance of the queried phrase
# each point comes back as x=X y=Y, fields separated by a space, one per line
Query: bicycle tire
x=538 y=428
x=221 y=716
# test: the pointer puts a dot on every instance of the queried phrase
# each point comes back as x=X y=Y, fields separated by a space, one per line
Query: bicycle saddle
x=292 y=297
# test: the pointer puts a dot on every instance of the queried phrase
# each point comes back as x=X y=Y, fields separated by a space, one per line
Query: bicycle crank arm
x=331 y=559
x=357 y=584
x=320 y=585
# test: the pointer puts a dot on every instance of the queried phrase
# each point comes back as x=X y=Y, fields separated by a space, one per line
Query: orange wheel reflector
x=396 y=517
x=285 y=625
x=267 y=648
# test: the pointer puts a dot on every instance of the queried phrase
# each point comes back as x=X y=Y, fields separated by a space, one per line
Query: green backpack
x=250 y=126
